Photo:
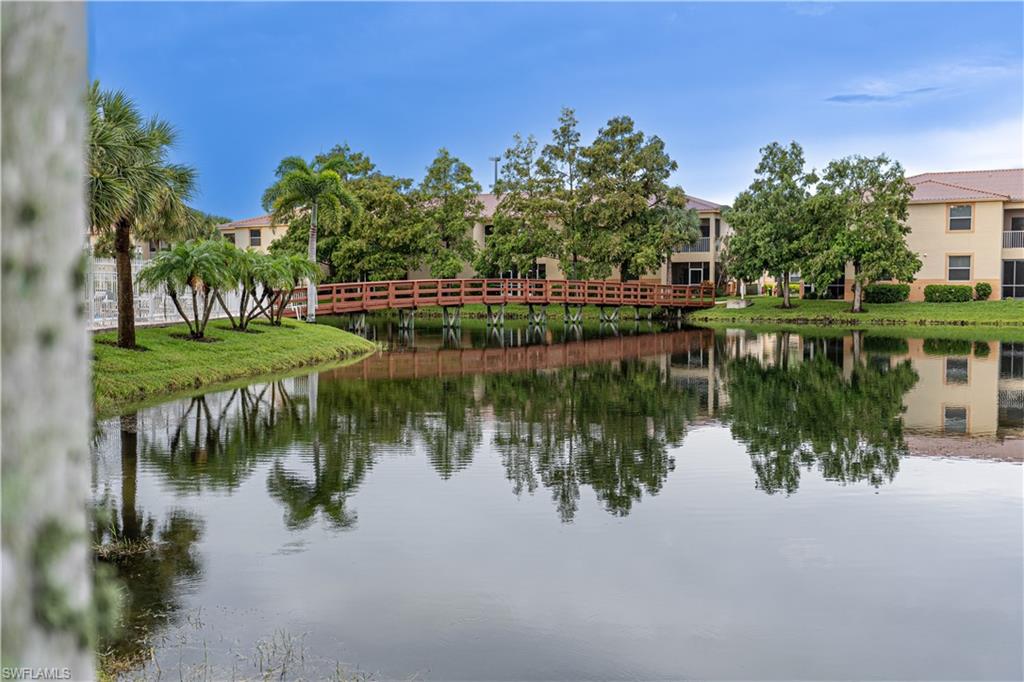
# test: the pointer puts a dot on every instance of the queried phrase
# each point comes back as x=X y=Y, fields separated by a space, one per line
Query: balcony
x=702 y=245
x=1013 y=239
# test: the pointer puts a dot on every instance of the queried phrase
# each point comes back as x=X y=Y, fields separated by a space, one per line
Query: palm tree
x=198 y=268
x=314 y=187
x=132 y=188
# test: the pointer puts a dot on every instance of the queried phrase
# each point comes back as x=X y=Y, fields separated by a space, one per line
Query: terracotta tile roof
x=1004 y=184
x=258 y=221
x=702 y=204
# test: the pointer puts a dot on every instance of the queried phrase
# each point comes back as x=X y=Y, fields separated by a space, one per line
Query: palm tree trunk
x=311 y=287
x=48 y=616
x=785 y=290
x=125 y=293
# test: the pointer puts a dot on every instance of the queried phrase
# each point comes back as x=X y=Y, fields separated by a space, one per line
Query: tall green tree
x=309 y=188
x=771 y=220
x=523 y=226
x=451 y=207
x=388 y=238
x=559 y=167
x=861 y=219
x=633 y=217
x=133 y=189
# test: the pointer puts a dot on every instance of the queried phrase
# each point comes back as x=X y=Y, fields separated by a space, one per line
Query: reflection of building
x=956 y=392
x=1011 y=386
x=968 y=399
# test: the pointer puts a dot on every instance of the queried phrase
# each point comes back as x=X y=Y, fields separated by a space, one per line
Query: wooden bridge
x=402 y=295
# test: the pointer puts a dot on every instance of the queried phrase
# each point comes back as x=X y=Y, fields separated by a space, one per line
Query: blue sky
x=937 y=86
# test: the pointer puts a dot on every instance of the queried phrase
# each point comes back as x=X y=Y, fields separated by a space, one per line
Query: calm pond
x=627 y=505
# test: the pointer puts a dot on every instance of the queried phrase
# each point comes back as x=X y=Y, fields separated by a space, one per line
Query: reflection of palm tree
x=131 y=528
x=793 y=417
x=152 y=570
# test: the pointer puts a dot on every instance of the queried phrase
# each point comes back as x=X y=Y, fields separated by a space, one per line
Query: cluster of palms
x=203 y=270
x=136 y=193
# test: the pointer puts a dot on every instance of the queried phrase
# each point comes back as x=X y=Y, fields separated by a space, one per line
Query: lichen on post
x=48 y=619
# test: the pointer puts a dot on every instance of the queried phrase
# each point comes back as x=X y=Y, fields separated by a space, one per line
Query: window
x=1016 y=223
x=1011 y=360
x=957 y=371
x=255 y=237
x=959 y=268
x=954 y=419
x=1013 y=279
x=538 y=271
x=230 y=236
x=960 y=217
x=718 y=228
x=705 y=227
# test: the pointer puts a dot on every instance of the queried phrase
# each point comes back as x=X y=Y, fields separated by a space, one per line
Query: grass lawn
x=170 y=365
x=766 y=310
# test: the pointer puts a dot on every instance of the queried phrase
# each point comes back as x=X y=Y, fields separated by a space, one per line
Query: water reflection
x=597 y=424
x=846 y=421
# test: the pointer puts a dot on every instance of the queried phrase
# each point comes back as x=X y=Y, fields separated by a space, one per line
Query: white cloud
x=958 y=76
x=998 y=144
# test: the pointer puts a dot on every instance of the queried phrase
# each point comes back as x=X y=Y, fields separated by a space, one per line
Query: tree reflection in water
x=810 y=413
x=150 y=558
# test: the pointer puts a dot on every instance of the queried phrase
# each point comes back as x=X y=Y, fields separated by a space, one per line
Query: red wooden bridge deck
x=363 y=297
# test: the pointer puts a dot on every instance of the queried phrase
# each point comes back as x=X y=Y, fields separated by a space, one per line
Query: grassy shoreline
x=765 y=310
x=170 y=366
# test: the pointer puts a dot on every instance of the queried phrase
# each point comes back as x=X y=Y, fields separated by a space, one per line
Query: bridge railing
x=351 y=297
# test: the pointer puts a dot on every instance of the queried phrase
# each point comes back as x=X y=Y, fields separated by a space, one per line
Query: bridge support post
x=535 y=317
x=496 y=319
x=357 y=322
x=573 y=314
x=406 y=318
x=451 y=316
x=612 y=317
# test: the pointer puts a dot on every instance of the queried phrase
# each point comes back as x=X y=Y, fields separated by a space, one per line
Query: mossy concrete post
x=48 y=617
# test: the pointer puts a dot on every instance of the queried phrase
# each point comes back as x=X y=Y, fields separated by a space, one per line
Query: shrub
x=947 y=293
x=982 y=290
x=947 y=346
x=886 y=293
x=810 y=295
x=981 y=349
x=886 y=344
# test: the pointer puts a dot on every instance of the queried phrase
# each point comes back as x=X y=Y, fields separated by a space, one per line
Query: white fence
x=151 y=307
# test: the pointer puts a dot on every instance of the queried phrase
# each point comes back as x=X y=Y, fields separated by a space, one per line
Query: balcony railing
x=1013 y=239
x=702 y=245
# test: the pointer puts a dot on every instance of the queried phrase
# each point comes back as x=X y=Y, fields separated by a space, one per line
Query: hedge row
x=948 y=293
x=886 y=293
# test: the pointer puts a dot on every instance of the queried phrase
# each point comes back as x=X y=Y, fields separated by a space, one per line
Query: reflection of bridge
x=417 y=364
x=363 y=297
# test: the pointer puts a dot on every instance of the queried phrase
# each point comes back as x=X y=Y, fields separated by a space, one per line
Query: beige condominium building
x=252 y=233
x=967 y=227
